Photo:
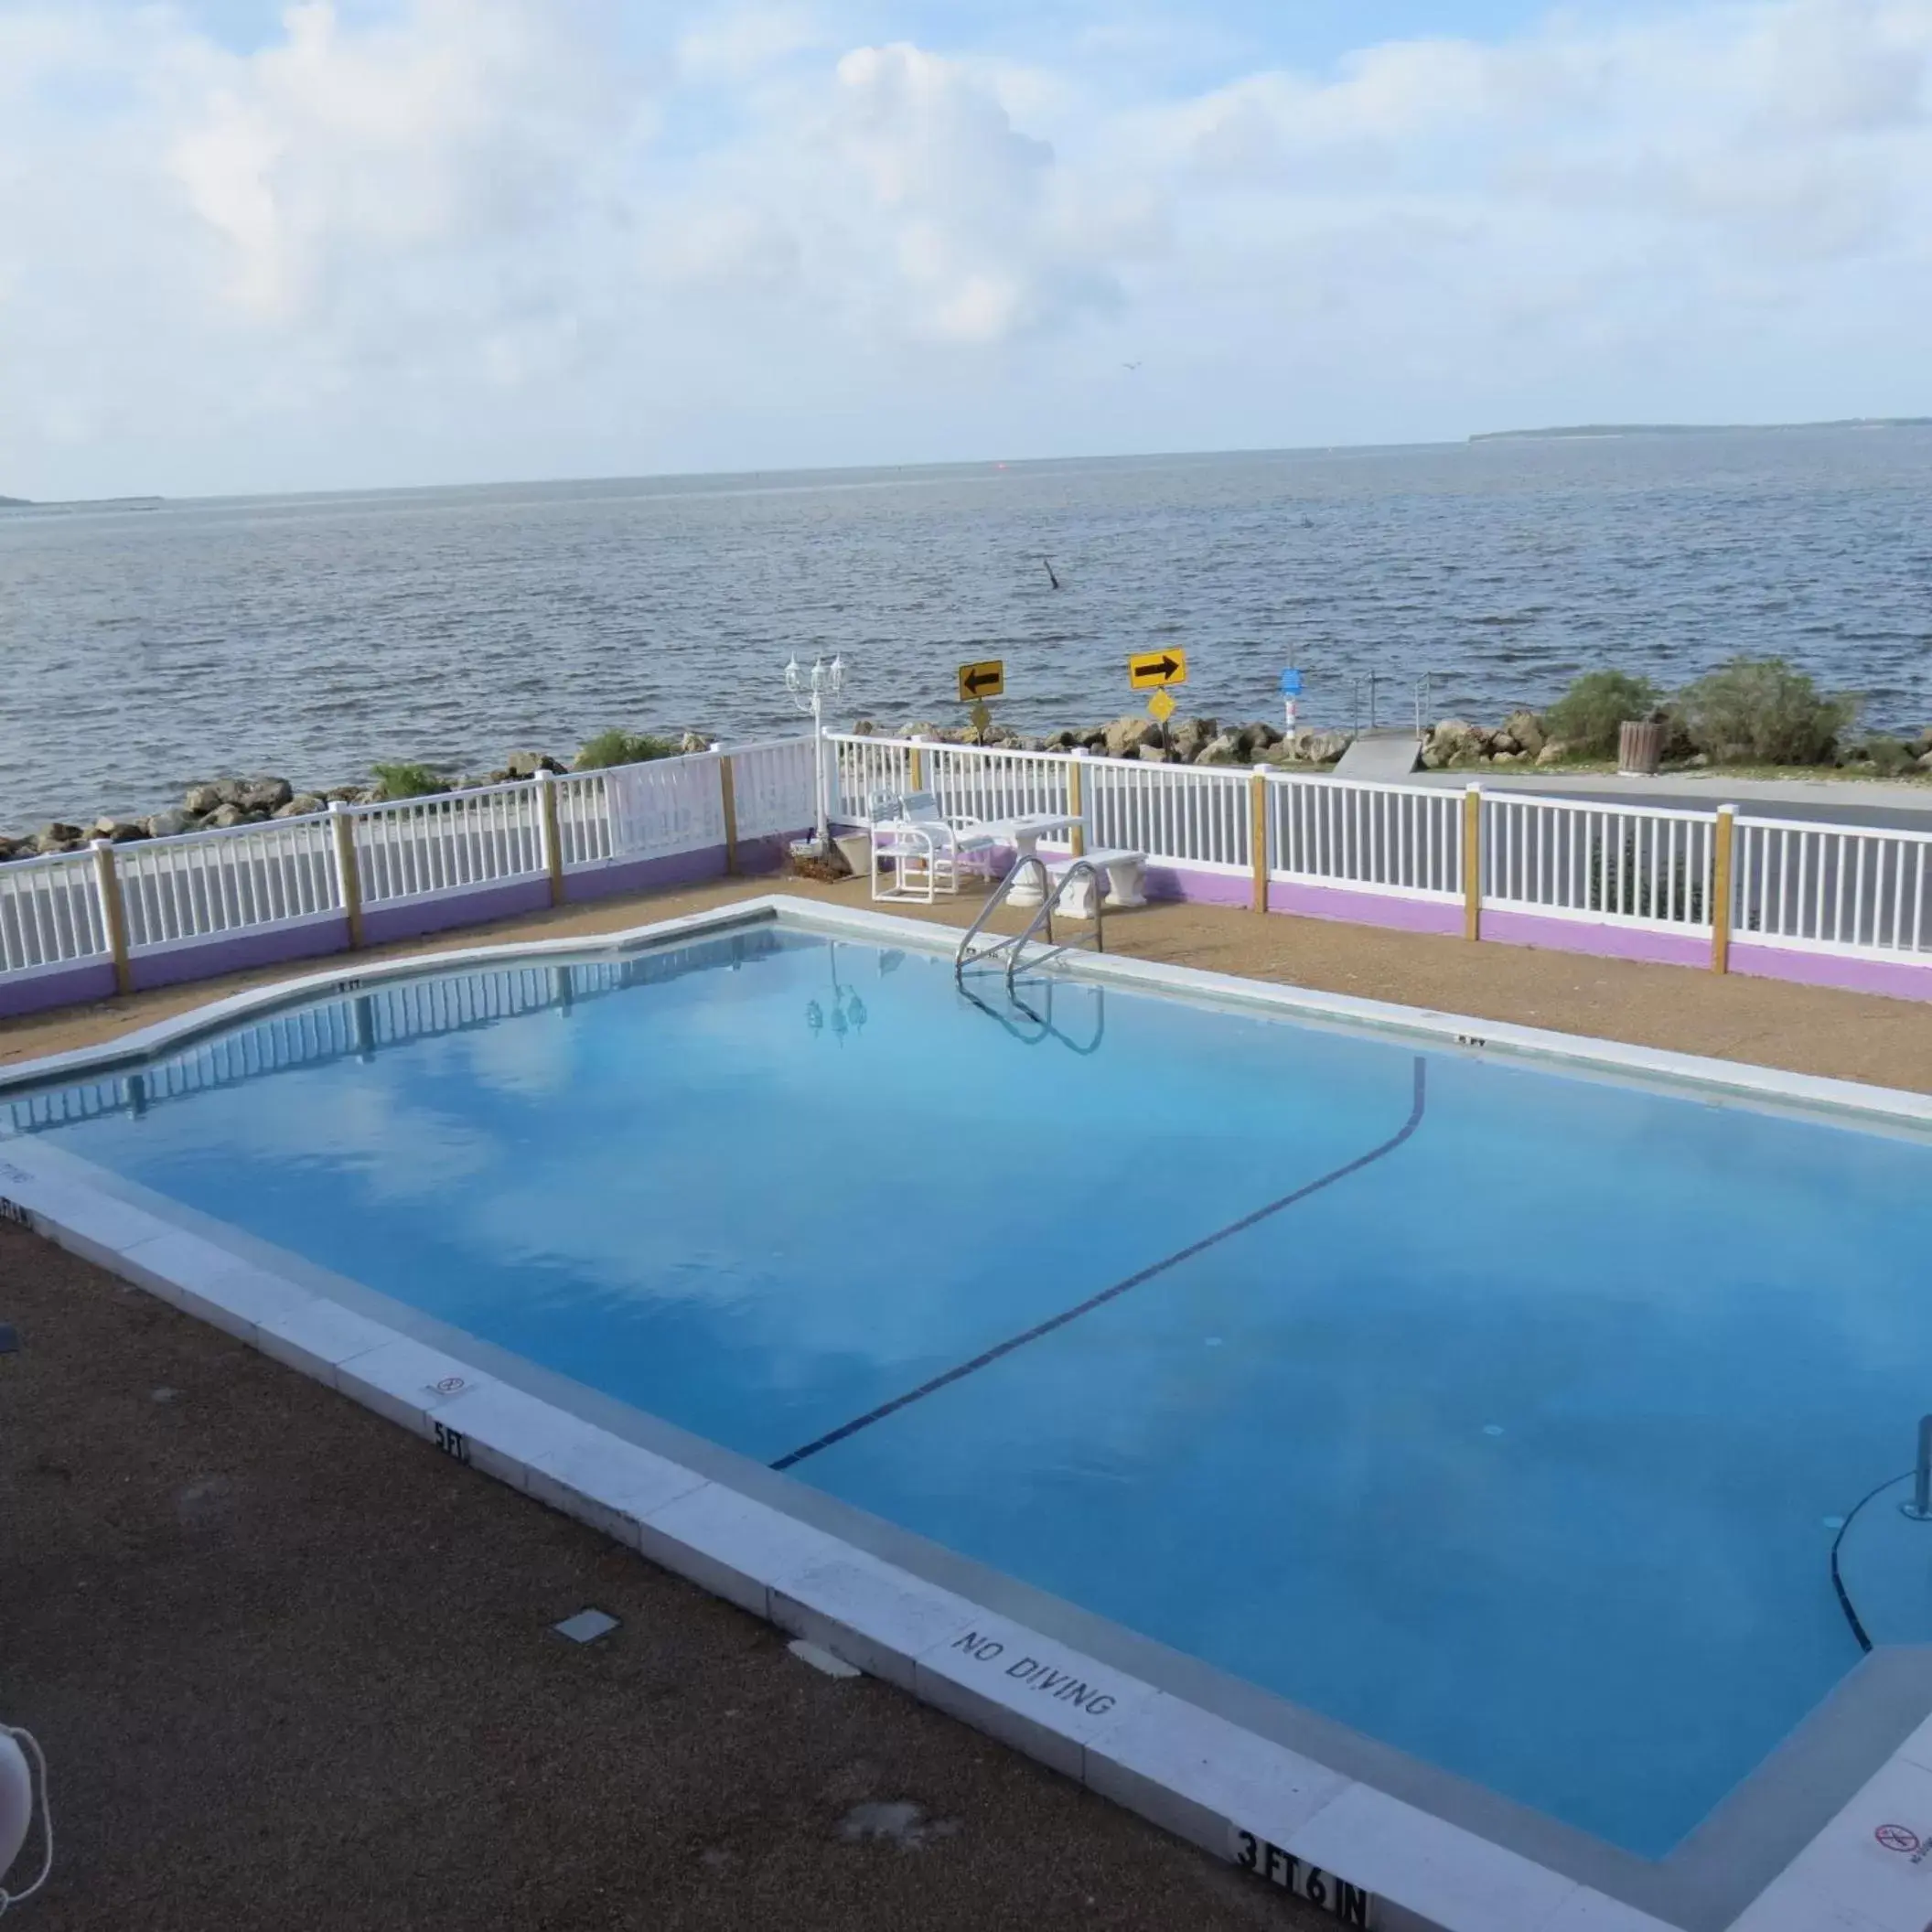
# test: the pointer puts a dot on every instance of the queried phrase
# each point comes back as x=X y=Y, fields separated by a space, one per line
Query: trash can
x=1640 y=748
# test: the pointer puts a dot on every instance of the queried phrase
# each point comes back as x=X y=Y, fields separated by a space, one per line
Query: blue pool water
x=1509 y=1439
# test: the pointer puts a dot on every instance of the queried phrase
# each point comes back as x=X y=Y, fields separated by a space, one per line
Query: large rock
x=1224 y=749
x=1453 y=739
x=1554 y=752
x=1125 y=735
x=264 y=794
x=170 y=824
x=1310 y=746
x=223 y=816
x=301 y=806
x=199 y=801
x=118 y=832
x=1153 y=754
x=1192 y=737
x=1527 y=730
x=58 y=836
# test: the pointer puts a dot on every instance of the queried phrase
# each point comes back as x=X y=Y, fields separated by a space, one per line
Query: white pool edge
x=1237 y=1795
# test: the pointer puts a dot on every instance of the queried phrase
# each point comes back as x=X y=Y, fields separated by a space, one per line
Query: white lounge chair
x=924 y=853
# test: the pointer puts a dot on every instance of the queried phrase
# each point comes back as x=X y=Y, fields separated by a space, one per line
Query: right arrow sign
x=1153 y=668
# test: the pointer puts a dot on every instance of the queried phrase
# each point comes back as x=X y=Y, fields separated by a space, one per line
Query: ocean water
x=310 y=636
x=1501 y=1414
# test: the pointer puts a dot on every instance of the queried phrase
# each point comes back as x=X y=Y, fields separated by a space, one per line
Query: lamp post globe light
x=809 y=690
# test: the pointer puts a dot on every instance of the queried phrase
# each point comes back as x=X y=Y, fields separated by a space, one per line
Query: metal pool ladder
x=1015 y=947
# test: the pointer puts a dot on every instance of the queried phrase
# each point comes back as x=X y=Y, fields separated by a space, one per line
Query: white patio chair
x=924 y=853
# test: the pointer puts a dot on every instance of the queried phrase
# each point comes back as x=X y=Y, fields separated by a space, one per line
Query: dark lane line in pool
x=1119 y=1288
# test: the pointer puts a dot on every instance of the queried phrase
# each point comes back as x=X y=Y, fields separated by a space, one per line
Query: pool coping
x=748 y=1536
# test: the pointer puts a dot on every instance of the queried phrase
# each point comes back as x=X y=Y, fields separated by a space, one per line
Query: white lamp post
x=809 y=689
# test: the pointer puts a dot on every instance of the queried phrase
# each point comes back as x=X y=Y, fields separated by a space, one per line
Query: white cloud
x=498 y=237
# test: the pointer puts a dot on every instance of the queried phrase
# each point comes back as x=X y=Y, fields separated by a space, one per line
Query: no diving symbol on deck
x=1897 y=1838
x=450 y=1385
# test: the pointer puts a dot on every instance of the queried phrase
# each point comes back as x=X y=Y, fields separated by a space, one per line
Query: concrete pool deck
x=1529 y=1902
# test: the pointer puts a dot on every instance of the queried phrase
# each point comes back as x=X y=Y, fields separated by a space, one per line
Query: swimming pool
x=1501 y=1414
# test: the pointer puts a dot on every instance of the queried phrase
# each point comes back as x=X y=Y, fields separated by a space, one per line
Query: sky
x=364 y=244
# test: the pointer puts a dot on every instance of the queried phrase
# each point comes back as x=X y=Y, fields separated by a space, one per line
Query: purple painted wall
x=75 y=987
x=1365 y=908
x=683 y=868
x=1197 y=888
x=1896 y=978
x=1615 y=942
x=408 y=921
x=237 y=954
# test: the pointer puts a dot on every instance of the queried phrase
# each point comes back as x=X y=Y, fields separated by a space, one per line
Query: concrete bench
x=1124 y=870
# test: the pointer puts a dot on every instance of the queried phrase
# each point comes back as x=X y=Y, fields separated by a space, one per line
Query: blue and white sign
x=1291 y=683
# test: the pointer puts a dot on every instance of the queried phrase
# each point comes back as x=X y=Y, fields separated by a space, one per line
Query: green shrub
x=1586 y=716
x=409 y=781
x=622 y=748
x=1887 y=756
x=1762 y=711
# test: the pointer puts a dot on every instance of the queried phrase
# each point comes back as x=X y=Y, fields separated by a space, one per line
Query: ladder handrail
x=1050 y=891
x=1051 y=899
x=995 y=900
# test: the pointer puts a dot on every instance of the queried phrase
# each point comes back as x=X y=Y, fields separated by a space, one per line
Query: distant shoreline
x=83 y=503
x=1695 y=429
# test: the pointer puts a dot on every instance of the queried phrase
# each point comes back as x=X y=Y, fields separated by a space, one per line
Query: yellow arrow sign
x=1150 y=669
x=981 y=680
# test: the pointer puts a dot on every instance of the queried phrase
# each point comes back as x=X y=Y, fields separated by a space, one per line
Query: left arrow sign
x=981 y=680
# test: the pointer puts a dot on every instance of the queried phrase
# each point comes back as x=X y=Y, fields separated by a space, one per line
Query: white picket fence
x=1800 y=886
x=203 y=886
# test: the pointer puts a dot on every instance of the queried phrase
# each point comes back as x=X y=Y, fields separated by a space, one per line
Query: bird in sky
x=1130 y=365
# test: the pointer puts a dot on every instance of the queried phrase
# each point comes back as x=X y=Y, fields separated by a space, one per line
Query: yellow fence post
x=1721 y=888
x=1473 y=863
x=728 y=796
x=113 y=914
x=1258 y=834
x=916 y=767
x=350 y=878
x=551 y=836
x=1077 y=800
